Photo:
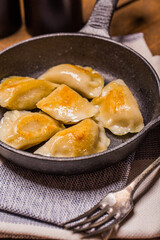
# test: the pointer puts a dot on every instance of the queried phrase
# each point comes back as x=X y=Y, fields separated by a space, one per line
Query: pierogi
x=118 y=109
x=24 y=129
x=62 y=92
x=67 y=106
x=84 y=80
x=84 y=138
x=22 y=93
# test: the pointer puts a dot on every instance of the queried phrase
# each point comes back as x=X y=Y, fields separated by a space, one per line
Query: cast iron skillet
x=92 y=47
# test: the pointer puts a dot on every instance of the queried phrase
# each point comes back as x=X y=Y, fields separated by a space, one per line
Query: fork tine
x=86 y=214
x=99 y=231
x=97 y=224
x=89 y=219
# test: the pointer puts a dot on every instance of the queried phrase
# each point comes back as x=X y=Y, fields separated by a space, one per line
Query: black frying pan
x=92 y=47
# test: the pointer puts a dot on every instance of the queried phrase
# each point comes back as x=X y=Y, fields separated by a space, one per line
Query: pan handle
x=99 y=21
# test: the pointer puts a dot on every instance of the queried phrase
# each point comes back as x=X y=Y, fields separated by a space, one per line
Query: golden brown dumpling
x=22 y=93
x=66 y=105
x=24 y=129
x=118 y=109
x=85 y=80
x=84 y=138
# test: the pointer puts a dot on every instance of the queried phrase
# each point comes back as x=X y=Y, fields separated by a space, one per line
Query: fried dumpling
x=24 y=129
x=66 y=105
x=84 y=138
x=118 y=109
x=84 y=80
x=22 y=93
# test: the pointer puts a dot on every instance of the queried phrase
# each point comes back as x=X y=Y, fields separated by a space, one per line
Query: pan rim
x=81 y=34
x=61 y=160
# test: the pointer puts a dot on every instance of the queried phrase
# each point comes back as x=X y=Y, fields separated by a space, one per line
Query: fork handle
x=139 y=179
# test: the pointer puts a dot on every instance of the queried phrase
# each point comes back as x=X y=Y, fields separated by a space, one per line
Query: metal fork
x=111 y=210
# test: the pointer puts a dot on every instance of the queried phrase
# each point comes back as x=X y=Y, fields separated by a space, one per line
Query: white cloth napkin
x=144 y=221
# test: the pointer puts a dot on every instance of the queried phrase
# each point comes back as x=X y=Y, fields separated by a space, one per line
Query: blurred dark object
x=10 y=17
x=50 y=16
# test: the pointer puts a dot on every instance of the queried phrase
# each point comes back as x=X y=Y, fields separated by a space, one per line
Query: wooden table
x=140 y=16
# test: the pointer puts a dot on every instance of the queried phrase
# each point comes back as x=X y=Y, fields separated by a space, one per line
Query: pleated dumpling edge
x=22 y=93
x=25 y=129
x=85 y=80
x=84 y=138
x=66 y=105
x=118 y=109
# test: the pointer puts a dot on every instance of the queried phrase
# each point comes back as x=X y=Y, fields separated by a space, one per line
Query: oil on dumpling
x=24 y=129
x=85 y=80
x=22 y=93
x=84 y=138
x=118 y=109
x=66 y=105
